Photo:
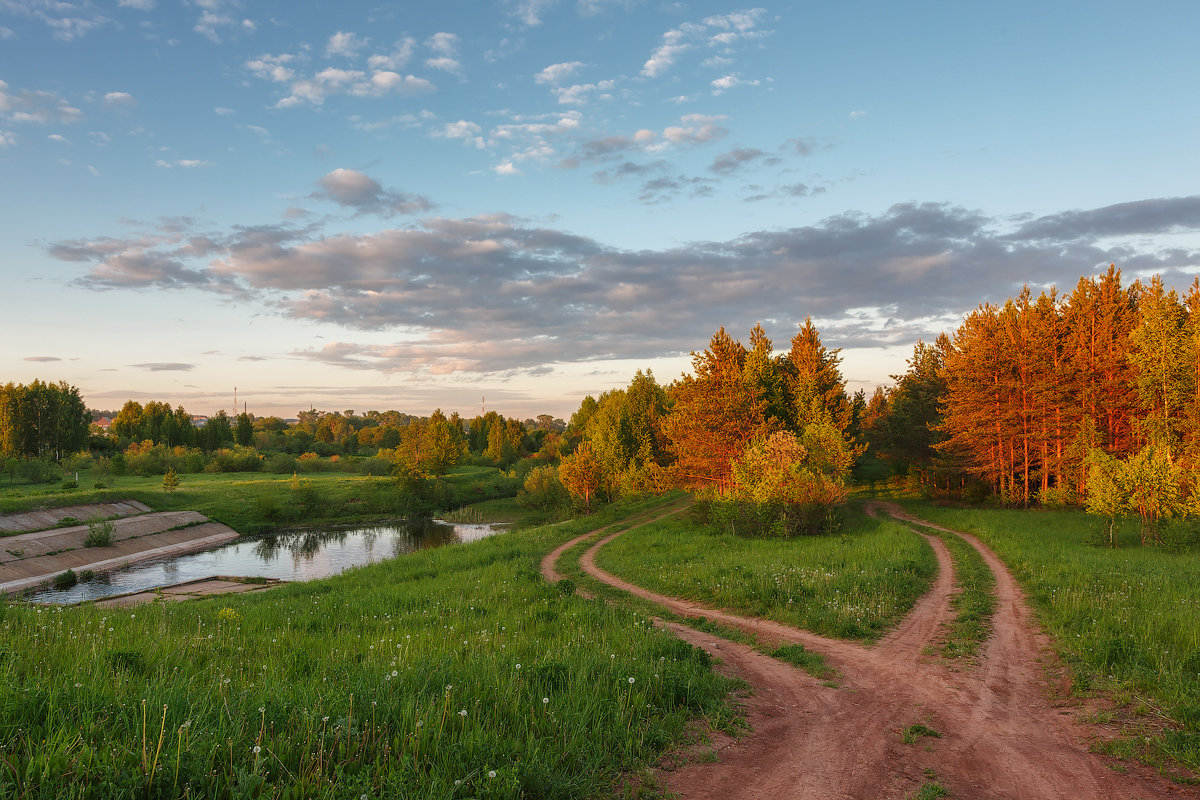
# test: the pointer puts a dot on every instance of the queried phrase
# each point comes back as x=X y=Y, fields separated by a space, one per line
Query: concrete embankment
x=29 y=560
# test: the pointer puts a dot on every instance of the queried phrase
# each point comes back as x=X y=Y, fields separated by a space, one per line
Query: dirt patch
x=999 y=735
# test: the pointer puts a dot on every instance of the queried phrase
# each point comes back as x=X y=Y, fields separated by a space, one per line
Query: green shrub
x=38 y=470
x=283 y=464
x=100 y=532
x=65 y=580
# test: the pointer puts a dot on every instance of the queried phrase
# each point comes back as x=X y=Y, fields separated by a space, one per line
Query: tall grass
x=455 y=672
x=856 y=585
x=1125 y=621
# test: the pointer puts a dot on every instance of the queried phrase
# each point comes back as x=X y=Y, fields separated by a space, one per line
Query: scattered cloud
x=6 y=33
x=221 y=111
x=140 y=5
x=185 y=163
x=67 y=20
x=345 y=44
x=495 y=292
x=353 y=189
x=857 y=114
x=400 y=55
x=36 y=106
x=722 y=32
x=165 y=366
x=729 y=82
x=529 y=12
x=120 y=100
x=740 y=157
x=42 y=359
x=557 y=73
x=7 y=139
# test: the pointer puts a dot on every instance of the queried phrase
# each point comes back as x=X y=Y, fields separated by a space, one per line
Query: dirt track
x=1000 y=736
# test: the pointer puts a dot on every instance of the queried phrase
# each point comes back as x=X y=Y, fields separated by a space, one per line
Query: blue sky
x=410 y=206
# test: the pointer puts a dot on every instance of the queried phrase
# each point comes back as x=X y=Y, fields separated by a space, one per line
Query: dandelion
x=257 y=749
x=631 y=681
x=463 y=713
x=491 y=773
x=518 y=666
x=545 y=700
x=395 y=673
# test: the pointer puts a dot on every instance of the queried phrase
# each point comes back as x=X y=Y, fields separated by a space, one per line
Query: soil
x=1002 y=736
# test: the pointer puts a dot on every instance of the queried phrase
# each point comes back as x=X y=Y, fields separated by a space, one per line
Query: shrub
x=543 y=489
x=282 y=464
x=100 y=532
x=38 y=470
x=235 y=459
x=65 y=580
x=170 y=481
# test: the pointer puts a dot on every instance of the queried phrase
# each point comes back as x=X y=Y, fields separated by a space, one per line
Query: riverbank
x=34 y=558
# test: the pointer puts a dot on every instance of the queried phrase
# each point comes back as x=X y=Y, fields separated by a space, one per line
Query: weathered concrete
x=43 y=555
x=203 y=587
x=48 y=518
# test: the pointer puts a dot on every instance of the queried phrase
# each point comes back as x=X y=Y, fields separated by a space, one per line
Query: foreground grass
x=853 y=586
x=1126 y=621
x=455 y=672
x=255 y=502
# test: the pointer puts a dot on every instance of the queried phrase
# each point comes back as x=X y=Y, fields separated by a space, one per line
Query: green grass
x=254 y=502
x=1125 y=621
x=914 y=732
x=853 y=586
x=974 y=601
x=351 y=685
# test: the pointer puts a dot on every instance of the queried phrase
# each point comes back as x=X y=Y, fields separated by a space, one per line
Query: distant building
x=199 y=420
x=104 y=423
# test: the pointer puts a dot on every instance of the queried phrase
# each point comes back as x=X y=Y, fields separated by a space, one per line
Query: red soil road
x=1001 y=739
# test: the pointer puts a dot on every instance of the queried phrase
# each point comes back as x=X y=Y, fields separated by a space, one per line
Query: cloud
x=165 y=366
x=444 y=44
x=217 y=15
x=557 y=73
x=67 y=20
x=185 y=163
x=345 y=44
x=581 y=94
x=857 y=114
x=333 y=81
x=140 y=5
x=275 y=68
x=7 y=139
x=120 y=100
x=400 y=55
x=736 y=159
x=36 y=106
x=722 y=32
x=221 y=111
x=496 y=292
x=353 y=189
x=729 y=82
x=43 y=359
x=529 y=11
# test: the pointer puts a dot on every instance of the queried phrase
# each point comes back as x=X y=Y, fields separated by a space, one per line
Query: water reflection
x=298 y=555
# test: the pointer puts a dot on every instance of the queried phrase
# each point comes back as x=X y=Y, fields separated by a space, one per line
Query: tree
x=244 y=435
x=817 y=385
x=582 y=474
x=170 y=480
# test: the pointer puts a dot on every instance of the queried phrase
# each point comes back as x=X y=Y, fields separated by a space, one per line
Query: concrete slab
x=47 y=518
x=204 y=587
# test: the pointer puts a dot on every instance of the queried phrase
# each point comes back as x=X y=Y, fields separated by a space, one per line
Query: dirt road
x=1001 y=738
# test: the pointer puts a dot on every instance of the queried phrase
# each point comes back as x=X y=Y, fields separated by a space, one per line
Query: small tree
x=100 y=532
x=582 y=474
x=170 y=480
x=1107 y=495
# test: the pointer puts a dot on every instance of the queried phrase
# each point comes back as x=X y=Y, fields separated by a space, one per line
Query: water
x=302 y=555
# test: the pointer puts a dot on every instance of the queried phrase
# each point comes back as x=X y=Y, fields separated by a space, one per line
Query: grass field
x=253 y=502
x=853 y=586
x=1126 y=621
x=454 y=672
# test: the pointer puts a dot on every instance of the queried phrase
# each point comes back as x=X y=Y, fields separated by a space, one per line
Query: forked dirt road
x=1001 y=739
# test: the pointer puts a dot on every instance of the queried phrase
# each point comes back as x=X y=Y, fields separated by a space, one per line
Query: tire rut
x=1000 y=737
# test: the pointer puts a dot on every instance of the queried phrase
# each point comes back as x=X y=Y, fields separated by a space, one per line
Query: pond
x=301 y=555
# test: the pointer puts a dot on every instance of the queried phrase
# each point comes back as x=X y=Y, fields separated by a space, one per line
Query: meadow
x=255 y=502
x=454 y=672
x=855 y=585
x=1126 y=622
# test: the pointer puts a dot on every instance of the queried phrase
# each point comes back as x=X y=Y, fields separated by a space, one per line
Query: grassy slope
x=854 y=586
x=351 y=685
x=251 y=502
x=1126 y=621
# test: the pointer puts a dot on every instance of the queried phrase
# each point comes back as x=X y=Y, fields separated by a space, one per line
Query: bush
x=282 y=464
x=38 y=470
x=100 y=532
x=65 y=580
x=374 y=465
x=235 y=459
x=745 y=518
x=543 y=489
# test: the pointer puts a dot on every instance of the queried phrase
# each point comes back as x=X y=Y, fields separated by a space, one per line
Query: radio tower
x=483 y=406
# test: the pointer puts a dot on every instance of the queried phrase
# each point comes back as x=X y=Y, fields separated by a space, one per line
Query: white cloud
x=557 y=73
x=357 y=190
x=399 y=56
x=140 y=5
x=93 y=171
x=729 y=30
x=344 y=43
x=445 y=64
x=580 y=94
x=506 y=168
x=273 y=68
x=36 y=106
x=120 y=100
x=529 y=11
x=67 y=20
x=729 y=82
x=6 y=33
x=222 y=111
x=444 y=44
x=185 y=163
x=57 y=137
x=695 y=129
x=469 y=132
x=857 y=114
x=7 y=138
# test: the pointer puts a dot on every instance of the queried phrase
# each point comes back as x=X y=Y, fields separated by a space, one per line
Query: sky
x=517 y=203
